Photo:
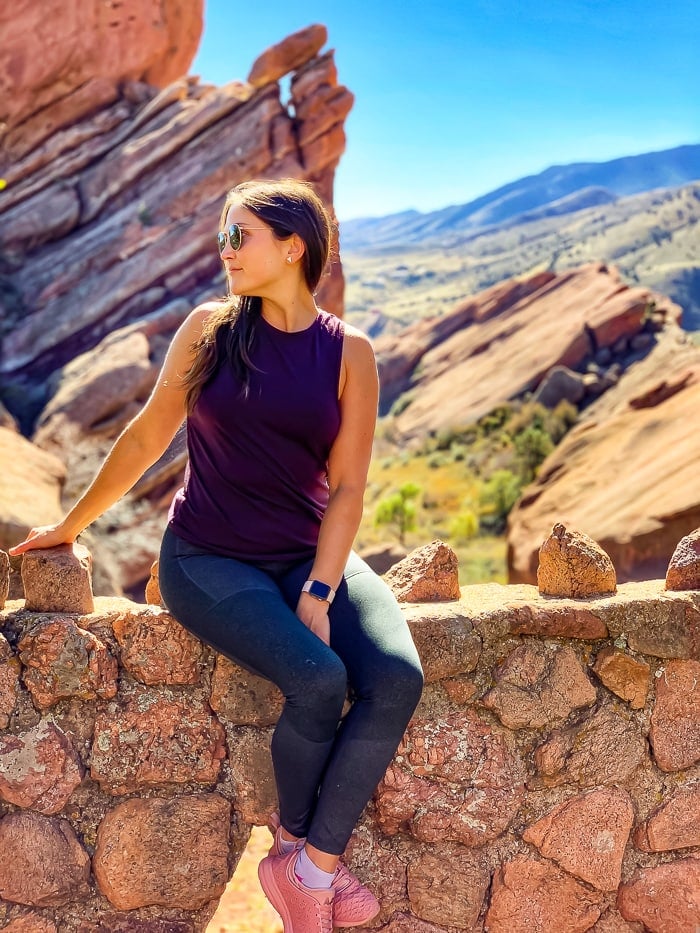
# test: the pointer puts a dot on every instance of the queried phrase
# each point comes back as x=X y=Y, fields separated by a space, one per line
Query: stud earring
x=289 y=258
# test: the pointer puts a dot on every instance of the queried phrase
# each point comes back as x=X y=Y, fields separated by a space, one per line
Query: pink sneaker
x=353 y=903
x=302 y=909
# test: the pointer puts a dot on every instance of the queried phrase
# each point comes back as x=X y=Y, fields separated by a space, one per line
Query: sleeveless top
x=256 y=484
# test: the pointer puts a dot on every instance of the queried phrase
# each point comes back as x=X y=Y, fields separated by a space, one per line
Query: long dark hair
x=287 y=206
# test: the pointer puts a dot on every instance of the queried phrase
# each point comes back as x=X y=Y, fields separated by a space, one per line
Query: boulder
x=572 y=564
x=684 y=568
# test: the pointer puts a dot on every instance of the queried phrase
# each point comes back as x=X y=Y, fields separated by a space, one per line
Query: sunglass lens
x=234 y=236
x=221 y=240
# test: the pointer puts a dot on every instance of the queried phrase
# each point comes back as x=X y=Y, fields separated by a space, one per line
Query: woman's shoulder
x=338 y=326
x=198 y=317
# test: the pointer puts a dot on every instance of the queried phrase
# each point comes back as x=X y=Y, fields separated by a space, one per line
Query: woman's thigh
x=368 y=632
x=240 y=611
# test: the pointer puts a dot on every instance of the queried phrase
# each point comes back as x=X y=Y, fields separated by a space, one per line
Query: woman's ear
x=295 y=248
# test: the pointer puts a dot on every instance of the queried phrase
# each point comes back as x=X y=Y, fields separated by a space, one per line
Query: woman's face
x=260 y=259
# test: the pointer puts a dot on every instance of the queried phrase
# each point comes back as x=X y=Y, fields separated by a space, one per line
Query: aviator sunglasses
x=234 y=236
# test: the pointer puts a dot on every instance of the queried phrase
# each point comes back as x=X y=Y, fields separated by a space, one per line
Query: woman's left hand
x=314 y=614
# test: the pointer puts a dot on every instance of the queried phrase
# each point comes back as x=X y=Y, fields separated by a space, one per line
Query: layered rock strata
x=111 y=199
x=110 y=217
x=549 y=778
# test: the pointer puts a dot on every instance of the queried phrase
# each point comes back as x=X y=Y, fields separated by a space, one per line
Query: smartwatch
x=319 y=590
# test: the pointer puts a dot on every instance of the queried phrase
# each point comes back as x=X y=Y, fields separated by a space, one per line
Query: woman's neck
x=292 y=316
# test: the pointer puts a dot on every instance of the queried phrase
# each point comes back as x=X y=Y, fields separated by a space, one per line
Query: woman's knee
x=324 y=685
x=398 y=685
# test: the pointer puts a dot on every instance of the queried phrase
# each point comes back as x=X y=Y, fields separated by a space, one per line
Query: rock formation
x=626 y=474
x=505 y=341
x=115 y=165
x=548 y=780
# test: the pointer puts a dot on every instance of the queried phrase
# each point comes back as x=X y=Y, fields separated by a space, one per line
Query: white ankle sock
x=309 y=874
x=286 y=845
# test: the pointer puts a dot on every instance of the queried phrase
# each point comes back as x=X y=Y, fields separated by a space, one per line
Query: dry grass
x=243 y=907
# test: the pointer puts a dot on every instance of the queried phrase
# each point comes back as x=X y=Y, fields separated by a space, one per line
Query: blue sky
x=454 y=99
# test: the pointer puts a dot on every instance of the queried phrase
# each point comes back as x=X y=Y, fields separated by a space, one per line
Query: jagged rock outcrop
x=626 y=474
x=505 y=341
x=59 y=61
x=107 y=220
x=110 y=217
x=532 y=788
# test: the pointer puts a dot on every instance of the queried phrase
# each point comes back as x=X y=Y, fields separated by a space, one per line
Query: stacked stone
x=549 y=780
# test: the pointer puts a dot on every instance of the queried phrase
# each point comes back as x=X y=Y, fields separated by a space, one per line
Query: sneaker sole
x=274 y=895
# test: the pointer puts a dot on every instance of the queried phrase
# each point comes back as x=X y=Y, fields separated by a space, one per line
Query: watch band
x=319 y=590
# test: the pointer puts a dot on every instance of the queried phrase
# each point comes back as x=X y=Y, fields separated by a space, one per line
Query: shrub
x=498 y=496
x=464 y=526
x=399 y=510
x=532 y=446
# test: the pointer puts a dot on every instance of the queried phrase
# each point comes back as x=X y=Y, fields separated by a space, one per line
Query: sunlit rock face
x=115 y=166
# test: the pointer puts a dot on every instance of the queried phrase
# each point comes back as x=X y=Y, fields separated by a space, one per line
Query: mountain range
x=558 y=189
x=408 y=266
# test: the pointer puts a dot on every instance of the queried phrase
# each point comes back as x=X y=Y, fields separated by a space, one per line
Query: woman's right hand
x=43 y=536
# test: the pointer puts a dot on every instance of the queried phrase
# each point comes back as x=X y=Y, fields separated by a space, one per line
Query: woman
x=281 y=400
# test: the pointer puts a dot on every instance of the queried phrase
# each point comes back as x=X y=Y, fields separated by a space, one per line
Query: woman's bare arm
x=140 y=444
x=348 y=464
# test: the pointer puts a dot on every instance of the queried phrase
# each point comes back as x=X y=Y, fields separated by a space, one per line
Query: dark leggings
x=325 y=769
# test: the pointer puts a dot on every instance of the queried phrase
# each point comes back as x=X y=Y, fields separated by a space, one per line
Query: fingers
x=43 y=537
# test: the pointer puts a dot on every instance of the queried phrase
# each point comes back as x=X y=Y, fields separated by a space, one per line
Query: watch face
x=319 y=590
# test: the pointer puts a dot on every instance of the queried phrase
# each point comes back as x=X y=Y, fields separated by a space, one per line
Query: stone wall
x=549 y=781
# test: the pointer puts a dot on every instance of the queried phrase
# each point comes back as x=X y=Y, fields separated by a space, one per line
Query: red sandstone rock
x=557 y=621
x=371 y=856
x=58 y=579
x=454 y=778
x=153 y=597
x=538 y=686
x=31 y=490
x=445 y=638
x=612 y=921
x=627 y=677
x=572 y=564
x=31 y=923
x=459 y=690
x=63 y=660
x=407 y=923
x=665 y=898
x=251 y=773
x=530 y=895
x=675 y=824
x=675 y=720
x=194 y=831
x=242 y=698
x=602 y=480
x=43 y=864
x=429 y=574
x=287 y=55
x=156 y=740
x=10 y=668
x=604 y=748
x=684 y=569
x=587 y=835
x=4 y=577
x=448 y=887
x=113 y=43
x=123 y=923
x=156 y=649
x=39 y=768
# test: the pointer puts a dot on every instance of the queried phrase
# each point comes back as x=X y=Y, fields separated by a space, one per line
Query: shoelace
x=324 y=914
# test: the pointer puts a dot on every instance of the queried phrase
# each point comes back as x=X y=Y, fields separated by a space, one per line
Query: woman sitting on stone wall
x=280 y=399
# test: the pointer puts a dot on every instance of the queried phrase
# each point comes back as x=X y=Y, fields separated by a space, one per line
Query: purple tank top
x=256 y=483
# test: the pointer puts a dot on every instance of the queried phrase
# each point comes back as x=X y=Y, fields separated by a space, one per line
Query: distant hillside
x=589 y=182
x=651 y=237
